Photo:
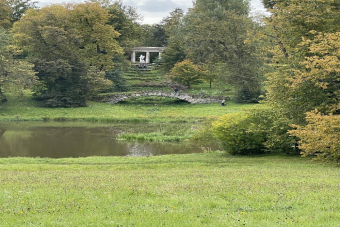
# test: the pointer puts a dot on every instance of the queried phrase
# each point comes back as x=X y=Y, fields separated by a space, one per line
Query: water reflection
x=74 y=140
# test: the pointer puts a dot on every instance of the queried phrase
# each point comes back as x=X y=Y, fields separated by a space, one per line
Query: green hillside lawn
x=208 y=189
x=24 y=109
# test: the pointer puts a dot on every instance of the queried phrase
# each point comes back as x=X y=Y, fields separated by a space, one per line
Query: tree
x=298 y=28
x=13 y=10
x=174 y=51
x=19 y=7
x=153 y=36
x=304 y=85
x=124 y=20
x=15 y=74
x=320 y=137
x=70 y=46
x=119 y=82
x=172 y=22
x=221 y=32
x=186 y=73
x=5 y=14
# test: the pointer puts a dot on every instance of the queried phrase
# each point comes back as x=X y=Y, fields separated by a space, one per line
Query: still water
x=71 y=139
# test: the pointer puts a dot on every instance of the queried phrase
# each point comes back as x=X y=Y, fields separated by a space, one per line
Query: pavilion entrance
x=142 y=54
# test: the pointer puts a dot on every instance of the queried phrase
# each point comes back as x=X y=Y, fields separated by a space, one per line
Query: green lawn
x=25 y=108
x=209 y=189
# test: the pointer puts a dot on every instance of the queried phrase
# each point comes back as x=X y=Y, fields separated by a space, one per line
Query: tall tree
x=153 y=35
x=5 y=14
x=68 y=44
x=15 y=74
x=13 y=10
x=298 y=28
x=19 y=7
x=124 y=20
x=221 y=31
x=174 y=51
x=305 y=84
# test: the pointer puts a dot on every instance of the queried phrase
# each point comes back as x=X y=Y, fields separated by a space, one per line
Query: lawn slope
x=208 y=189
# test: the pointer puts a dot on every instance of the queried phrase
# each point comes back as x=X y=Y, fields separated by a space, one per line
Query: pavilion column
x=133 y=57
x=147 y=61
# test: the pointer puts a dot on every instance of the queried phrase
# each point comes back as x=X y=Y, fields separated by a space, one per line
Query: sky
x=153 y=11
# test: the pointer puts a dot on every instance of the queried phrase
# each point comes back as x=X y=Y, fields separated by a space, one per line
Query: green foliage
x=253 y=132
x=320 y=137
x=62 y=84
x=15 y=74
x=119 y=82
x=5 y=14
x=95 y=82
x=124 y=20
x=19 y=7
x=186 y=73
x=12 y=10
x=173 y=53
x=269 y=3
x=239 y=135
x=275 y=126
x=222 y=32
x=71 y=47
x=153 y=35
x=247 y=95
x=305 y=57
x=205 y=133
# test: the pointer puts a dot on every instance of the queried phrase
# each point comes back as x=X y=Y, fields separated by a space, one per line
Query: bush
x=276 y=127
x=239 y=135
x=320 y=137
x=257 y=131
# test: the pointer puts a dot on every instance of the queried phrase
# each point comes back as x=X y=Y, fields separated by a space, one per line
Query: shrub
x=320 y=137
x=257 y=131
x=239 y=135
x=276 y=127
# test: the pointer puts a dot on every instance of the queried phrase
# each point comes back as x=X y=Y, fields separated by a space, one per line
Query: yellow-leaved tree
x=320 y=137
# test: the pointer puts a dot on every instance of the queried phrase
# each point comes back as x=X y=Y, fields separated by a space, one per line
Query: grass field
x=208 y=189
x=25 y=109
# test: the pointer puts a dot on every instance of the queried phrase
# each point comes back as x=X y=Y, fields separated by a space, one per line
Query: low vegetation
x=24 y=109
x=208 y=189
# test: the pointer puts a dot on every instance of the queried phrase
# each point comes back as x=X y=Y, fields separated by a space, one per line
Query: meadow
x=24 y=108
x=207 y=189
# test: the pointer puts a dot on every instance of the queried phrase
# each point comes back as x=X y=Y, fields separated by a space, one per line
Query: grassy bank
x=25 y=109
x=208 y=189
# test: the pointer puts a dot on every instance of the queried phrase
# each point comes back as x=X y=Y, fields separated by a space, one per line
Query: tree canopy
x=68 y=44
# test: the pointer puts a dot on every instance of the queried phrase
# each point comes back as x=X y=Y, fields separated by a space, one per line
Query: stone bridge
x=115 y=98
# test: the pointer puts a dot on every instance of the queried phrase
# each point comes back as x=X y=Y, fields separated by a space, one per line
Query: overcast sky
x=153 y=11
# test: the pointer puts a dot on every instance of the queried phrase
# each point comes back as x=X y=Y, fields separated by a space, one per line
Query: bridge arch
x=193 y=99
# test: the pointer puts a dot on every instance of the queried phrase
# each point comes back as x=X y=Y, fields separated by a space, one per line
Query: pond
x=76 y=139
